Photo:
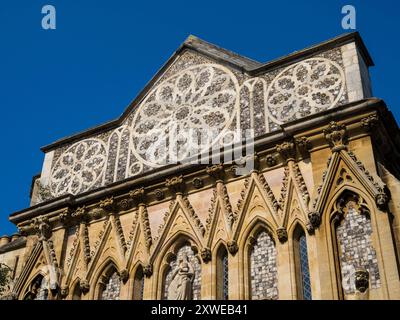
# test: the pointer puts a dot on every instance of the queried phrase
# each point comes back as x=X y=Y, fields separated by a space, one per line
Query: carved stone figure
x=182 y=279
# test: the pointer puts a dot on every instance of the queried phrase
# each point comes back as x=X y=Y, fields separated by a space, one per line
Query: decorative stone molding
x=146 y=227
x=310 y=228
x=335 y=134
x=124 y=275
x=42 y=227
x=240 y=202
x=216 y=171
x=206 y=255
x=81 y=214
x=282 y=234
x=370 y=123
x=284 y=188
x=64 y=292
x=382 y=200
x=268 y=191
x=86 y=245
x=175 y=184
x=148 y=270
x=287 y=151
x=64 y=216
x=362 y=280
x=96 y=213
x=197 y=183
x=314 y=218
x=84 y=285
x=211 y=210
x=301 y=183
x=52 y=253
x=124 y=204
x=167 y=214
x=159 y=194
x=107 y=204
x=120 y=232
x=303 y=143
x=138 y=195
x=232 y=247
x=231 y=216
x=270 y=160
x=194 y=216
x=43 y=192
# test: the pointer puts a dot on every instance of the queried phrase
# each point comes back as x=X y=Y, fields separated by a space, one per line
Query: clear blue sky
x=59 y=82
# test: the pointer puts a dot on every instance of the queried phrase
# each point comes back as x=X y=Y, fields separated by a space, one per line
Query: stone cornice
x=310 y=127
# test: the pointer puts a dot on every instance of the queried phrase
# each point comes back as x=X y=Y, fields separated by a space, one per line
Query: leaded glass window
x=304 y=269
x=225 y=277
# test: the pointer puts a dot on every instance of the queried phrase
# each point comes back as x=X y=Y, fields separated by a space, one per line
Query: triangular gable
x=180 y=218
x=295 y=197
x=256 y=192
x=344 y=168
x=221 y=217
x=140 y=238
x=28 y=267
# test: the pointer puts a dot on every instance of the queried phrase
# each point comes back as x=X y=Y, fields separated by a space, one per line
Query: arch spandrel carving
x=180 y=218
x=344 y=169
x=266 y=206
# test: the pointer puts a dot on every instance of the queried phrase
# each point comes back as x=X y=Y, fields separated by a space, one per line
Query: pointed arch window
x=138 y=284
x=77 y=293
x=222 y=274
x=110 y=284
x=182 y=279
x=38 y=289
x=352 y=229
x=263 y=270
x=301 y=264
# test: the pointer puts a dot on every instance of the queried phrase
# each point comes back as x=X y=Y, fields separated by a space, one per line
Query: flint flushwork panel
x=112 y=289
x=356 y=250
x=263 y=270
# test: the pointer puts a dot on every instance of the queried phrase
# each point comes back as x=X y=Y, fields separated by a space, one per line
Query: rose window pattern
x=79 y=167
x=201 y=98
x=195 y=105
x=305 y=88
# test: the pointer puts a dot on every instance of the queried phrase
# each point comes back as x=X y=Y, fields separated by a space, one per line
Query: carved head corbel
x=205 y=255
x=335 y=134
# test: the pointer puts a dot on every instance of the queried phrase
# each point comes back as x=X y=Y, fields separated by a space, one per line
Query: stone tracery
x=198 y=95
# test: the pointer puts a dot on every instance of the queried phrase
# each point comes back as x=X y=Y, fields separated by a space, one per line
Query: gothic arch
x=299 y=240
x=333 y=216
x=136 y=272
x=105 y=270
x=30 y=290
x=246 y=244
x=220 y=271
x=76 y=291
x=167 y=255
